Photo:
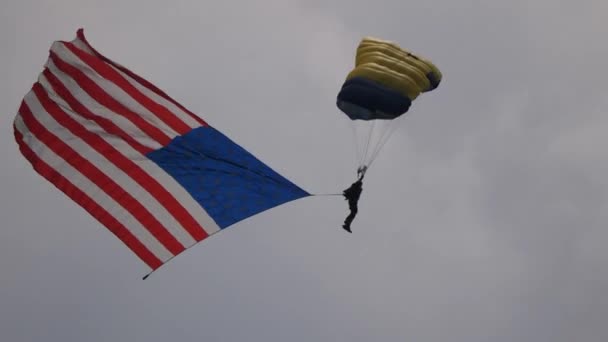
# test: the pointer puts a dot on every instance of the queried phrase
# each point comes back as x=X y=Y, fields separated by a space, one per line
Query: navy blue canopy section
x=362 y=99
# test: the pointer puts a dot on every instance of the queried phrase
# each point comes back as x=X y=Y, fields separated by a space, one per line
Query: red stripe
x=125 y=164
x=107 y=72
x=103 y=98
x=78 y=196
x=104 y=182
x=139 y=79
x=83 y=111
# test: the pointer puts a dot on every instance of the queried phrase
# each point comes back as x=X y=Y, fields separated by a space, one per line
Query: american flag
x=155 y=174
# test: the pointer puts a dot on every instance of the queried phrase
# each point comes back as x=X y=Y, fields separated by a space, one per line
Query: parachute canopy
x=385 y=81
x=156 y=175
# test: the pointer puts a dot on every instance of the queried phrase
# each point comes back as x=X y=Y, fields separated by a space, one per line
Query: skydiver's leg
x=347 y=222
x=349 y=219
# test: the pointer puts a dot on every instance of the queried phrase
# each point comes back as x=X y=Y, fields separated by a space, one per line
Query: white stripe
x=108 y=168
x=148 y=166
x=175 y=110
x=178 y=112
x=82 y=46
x=93 y=191
x=177 y=191
x=93 y=106
x=89 y=49
x=112 y=89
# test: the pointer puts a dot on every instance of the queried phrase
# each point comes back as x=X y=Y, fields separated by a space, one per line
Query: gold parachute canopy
x=385 y=80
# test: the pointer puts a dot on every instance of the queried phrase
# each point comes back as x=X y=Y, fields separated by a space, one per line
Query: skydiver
x=352 y=195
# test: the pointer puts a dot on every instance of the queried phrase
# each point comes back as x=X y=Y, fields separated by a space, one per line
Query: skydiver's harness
x=361 y=172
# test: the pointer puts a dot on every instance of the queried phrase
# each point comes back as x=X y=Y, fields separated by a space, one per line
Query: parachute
x=156 y=175
x=380 y=89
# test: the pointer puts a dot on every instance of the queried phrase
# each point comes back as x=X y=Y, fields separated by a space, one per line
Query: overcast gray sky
x=484 y=219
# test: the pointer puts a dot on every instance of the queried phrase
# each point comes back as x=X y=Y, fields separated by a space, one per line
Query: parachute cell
x=385 y=81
